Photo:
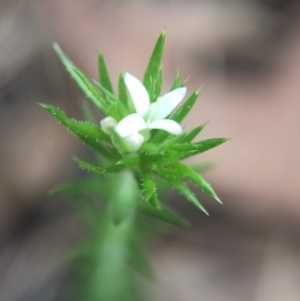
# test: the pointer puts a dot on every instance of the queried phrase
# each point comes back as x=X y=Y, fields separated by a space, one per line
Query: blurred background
x=245 y=53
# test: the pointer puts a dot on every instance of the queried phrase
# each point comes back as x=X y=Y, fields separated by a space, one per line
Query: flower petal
x=130 y=124
x=139 y=94
x=168 y=125
x=167 y=103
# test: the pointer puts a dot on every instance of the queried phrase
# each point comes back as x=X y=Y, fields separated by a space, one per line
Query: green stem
x=111 y=281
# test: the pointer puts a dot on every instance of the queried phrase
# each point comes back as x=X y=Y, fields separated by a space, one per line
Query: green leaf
x=151 y=149
x=163 y=214
x=110 y=97
x=122 y=90
x=91 y=92
x=201 y=167
x=130 y=161
x=115 y=107
x=185 y=171
x=79 y=187
x=88 y=114
x=181 y=113
x=88 y=133
x=149 y=188
x=82 y=81
x=148 y=185
x=191 y=149
x=157 y=85
x=154 y=63
x=103 y=74
x=154 y=201
x=186 y=192
x=177 y=83
x=171 y=140
x=188 y=137
x=185 y=150
x=90 y=167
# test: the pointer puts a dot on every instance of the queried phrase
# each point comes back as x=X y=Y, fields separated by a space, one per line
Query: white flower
x=148 y=115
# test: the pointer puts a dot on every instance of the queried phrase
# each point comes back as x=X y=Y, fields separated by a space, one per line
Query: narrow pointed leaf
x=119 y=110
x=188 y=137
x=157 y=85
x=88 y=114
x=185 y=171
x=203 y=166
x=110 y=97
x=122 y=90
x=198 y=147
x=151 y=149
x=182 y=151
x=131 y=161
x=171 y=140
x=148 y=184
x=176 y=83
x=154 y=63
x=178 y=170
x=88 y=133
x=181 y=113
x=186 y=192
x=154 y=201
x=90 y=91
x=81 y=80
x=79 y=187
x=163 y=214
x=90 y=167
x=113 y=110
x=103 y=74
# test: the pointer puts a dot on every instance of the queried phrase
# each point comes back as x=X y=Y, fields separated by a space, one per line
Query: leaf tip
x=100 y=56
x=198 y=91
x=43 y=105
x=55 y=46
x=185 y=81
x=218 y=200
x=206 y=212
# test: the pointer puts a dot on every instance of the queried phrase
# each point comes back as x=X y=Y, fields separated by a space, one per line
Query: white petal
x=107 y=124
x=133 y=142
x=130 y=124
x=139 y=94
x=168 y=125
x=167 y=103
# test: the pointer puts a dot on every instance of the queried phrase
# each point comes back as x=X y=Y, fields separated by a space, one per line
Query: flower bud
x=133 y=141
x=108 y=124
